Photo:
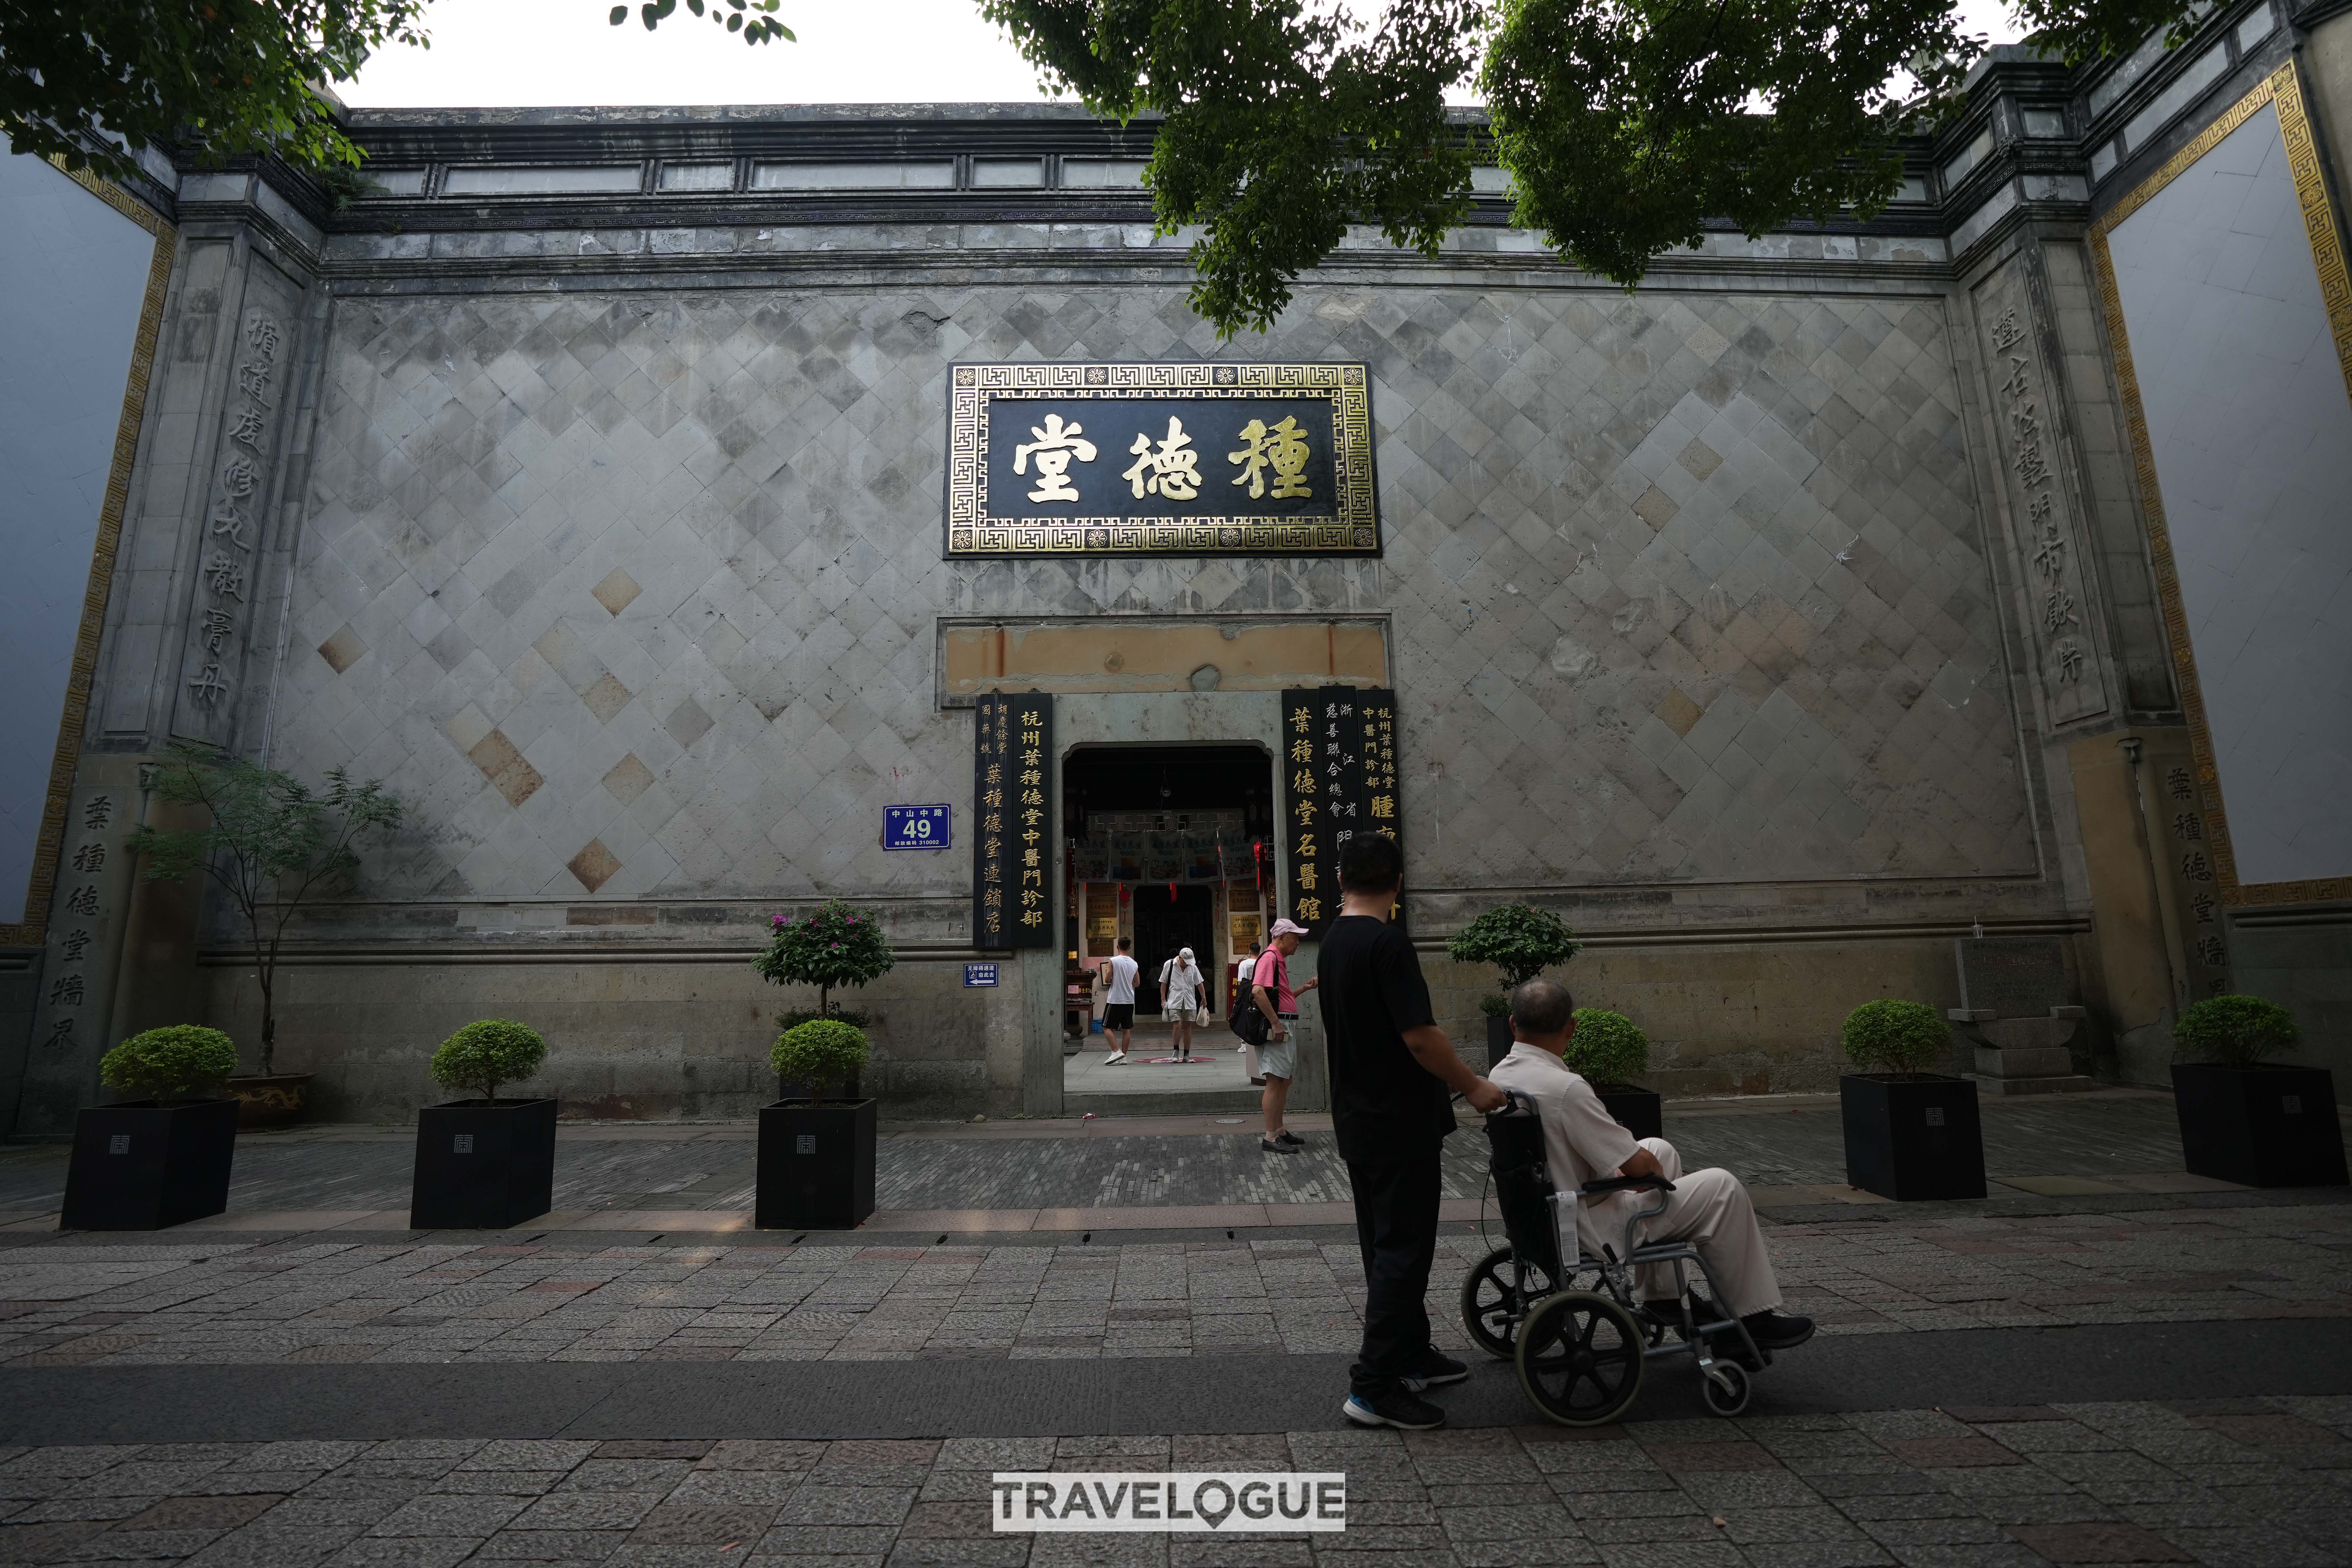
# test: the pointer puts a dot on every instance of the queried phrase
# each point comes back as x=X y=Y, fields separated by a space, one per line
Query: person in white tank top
x=1119 y=973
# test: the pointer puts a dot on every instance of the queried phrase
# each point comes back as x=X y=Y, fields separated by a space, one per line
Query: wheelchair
x=1575 y=1330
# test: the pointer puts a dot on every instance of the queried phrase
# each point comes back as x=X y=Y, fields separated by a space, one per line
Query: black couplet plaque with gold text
x=1012 y=791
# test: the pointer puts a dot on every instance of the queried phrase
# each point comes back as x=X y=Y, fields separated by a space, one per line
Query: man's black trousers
x=1396 y=1226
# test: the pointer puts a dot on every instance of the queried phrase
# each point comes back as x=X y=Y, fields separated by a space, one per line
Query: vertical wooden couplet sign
x=1012 y=791
x=1340 y=779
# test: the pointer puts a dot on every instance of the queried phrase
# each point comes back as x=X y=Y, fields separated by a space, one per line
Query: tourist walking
x=1242 y=1002
x=1277 y=1058
x=1182 y=985
x=1393 y=1073
x=1119 y=973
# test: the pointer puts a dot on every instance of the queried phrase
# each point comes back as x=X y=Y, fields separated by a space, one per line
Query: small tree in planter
x=1612 y=1053
x=816 y=1155
x=164 y=1159
x=2242 y=1119
x=1521 y=941
x=834 y=946
x=483 y=1162
x=1909 y=1133
x=271 y=845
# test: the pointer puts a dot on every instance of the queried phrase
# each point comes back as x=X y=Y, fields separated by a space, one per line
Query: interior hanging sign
x=1160 y=459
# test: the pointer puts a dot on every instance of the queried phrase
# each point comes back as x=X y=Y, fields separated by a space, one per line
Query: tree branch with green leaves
x=269 y=845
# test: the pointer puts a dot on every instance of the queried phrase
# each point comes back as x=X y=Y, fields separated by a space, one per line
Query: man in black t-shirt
x=1393 y=1073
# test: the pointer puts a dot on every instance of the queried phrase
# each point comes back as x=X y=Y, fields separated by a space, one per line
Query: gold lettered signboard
x=1159 y=460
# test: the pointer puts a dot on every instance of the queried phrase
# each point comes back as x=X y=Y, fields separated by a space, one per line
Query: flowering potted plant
x=163 y=1160
x=1609 y=1050
x=1521 y=942
x=2242 y=1119
x=833 y=946
x=1909 y=1133
x=816 y=1154
x=484 y=1164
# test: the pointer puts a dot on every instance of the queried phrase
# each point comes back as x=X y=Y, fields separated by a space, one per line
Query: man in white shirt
x=1583 y=1143
x=1180 y=983
x=1119 y=973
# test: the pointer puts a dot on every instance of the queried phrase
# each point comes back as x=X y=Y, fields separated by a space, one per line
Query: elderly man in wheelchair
x=1583 y=1307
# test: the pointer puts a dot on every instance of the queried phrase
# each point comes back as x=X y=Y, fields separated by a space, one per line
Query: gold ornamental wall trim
x=2282 y=89
x=41 y=885
x=1229 y=492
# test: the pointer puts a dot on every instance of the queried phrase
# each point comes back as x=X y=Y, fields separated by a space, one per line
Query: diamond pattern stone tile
x=1682 y=585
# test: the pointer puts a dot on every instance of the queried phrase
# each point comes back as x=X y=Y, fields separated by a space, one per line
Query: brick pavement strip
x=2261 y=1483
x=1884 y=1271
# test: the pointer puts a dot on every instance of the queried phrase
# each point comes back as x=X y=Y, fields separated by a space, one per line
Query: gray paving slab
x=2005 y=1368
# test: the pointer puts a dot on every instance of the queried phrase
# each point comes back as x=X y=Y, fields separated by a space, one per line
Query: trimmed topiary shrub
x=487 y=1053
x=179 y=1061
x=824 y=1053
x=1520 y=941
x=2236 y=1031
x=835 y=945
x=1889 y=1036
x=1608 y=1048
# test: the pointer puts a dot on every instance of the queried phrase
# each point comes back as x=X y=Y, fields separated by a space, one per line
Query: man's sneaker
x=1395 y=1408
x=1114 y=1058
x=1775 y=1330
x=1433 y=1370
x=1275 y=1146
x=1293 y=1139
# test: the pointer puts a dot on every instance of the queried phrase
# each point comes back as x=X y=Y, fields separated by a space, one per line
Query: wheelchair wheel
x=1581 y=1358
x=1730 y=1397
x=1491 y=1303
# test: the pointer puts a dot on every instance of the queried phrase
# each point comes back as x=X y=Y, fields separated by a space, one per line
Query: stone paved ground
x=1880 y=1271
x=2237 y=1484
x=1783 y=1140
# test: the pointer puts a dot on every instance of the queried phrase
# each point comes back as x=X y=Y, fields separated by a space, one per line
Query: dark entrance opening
x=1168 y=842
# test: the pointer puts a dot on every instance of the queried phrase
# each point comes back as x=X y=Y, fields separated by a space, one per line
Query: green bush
x=2236 y=1031
x=1608 y=1048
x=180 y=1062
x=824 y=1053
x=1520 y=941
x=485 y=1053
x=1887 y=1036
x=1495 y=1004
x=835 y=945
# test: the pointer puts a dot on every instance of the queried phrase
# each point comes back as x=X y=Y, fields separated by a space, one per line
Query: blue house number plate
x=917 y=828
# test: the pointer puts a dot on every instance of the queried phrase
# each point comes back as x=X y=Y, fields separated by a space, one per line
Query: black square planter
x=1641 y=1112
x=147 y=1167
x=816 y=1164
x=1499 y=1038
x=1908 y=1138
x=2262 y=1126
x=483 y=1164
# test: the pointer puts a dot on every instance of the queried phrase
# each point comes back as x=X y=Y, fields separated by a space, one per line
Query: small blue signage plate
x=917 y=828
x=979 y=974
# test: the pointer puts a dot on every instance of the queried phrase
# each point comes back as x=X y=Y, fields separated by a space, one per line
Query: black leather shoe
x=1776 y=1331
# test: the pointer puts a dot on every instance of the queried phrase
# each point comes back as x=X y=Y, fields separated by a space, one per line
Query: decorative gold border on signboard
x=970 y=533
x=42 y=884
x=2282 y=89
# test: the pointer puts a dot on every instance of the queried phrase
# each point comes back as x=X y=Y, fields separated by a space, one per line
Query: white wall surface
x=2250 y=426
x=73 y=274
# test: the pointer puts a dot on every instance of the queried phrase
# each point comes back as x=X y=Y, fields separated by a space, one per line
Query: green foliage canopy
x=835 y=945
x=1889 y=1036
x=824 y=1053
x=487 y=1053
x=1520 y=941
x=179 y=1061
x=1607 y=1048
x=236 y=73
x=2236 y=1031
x=753 y=21
x=272 y=843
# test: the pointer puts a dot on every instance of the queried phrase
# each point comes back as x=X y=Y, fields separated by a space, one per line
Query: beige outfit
x=1709 y=1208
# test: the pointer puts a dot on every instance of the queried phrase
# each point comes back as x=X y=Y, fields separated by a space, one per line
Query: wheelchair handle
x=1626 y=1185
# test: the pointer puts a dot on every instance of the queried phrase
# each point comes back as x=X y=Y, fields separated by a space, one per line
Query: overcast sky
x=507 y=53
